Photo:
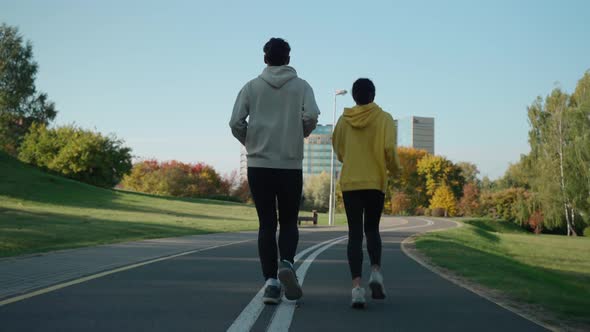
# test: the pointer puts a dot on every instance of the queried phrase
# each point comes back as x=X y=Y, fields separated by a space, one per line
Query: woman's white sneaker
x=358 y=298
x=376 y=285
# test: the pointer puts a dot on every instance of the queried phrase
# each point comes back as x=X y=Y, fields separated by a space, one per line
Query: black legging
x=359 y=203
x=270 y=186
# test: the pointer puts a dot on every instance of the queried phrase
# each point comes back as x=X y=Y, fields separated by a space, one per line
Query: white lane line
x=428 y=223
x=106 y=273
x=248 y=317
x=252 y=311
x=281 y=320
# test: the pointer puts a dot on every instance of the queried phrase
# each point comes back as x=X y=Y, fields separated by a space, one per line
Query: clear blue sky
x=164 y=75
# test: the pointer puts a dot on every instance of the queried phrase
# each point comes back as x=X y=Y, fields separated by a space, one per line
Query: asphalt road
x=218 y=290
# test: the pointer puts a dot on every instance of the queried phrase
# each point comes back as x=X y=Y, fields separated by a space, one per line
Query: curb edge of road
x=408 y=250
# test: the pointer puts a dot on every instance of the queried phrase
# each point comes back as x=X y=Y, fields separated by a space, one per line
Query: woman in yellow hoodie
x=365 y=140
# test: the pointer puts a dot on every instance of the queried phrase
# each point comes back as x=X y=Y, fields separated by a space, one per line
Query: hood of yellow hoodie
x=360 y=116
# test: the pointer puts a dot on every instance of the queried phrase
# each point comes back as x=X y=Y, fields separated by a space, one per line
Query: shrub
x=536 y=222
x=387 y=207
x=427 y=212
x=224 y=198
x=174 y=178
x=443 y=198
x=400 y=204
x=587 y=231
x=242 y=192
x=78 y=154
x=420 y=211
x=469 y=203
x=439 y=212
x=504 y=204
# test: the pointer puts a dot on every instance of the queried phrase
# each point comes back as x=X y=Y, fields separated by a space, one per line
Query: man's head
x=276 y=52
x=363 y=91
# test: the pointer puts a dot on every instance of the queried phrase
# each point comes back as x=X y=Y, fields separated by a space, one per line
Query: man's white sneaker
x=288 y=279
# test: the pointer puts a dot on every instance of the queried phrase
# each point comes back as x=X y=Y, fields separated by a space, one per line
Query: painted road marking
x=106 y=273
x=252 y=311
x=248 y=317
x=281 y=320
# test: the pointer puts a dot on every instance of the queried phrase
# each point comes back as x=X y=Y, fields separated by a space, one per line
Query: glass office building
x=317 y=150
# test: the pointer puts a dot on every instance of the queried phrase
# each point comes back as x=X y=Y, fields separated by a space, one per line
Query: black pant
x=270 y=186
x=359 y=204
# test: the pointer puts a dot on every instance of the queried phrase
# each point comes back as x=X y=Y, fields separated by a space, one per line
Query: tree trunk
x=573 y=211
x=570 y=228
x=567 y=220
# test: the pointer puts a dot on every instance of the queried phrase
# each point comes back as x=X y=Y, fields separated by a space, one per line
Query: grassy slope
x=546 y=270
x=41 y=212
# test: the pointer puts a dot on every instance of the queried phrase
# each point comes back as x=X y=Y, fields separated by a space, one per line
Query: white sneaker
x=358 y=298
x=288 y=278
x=376 y=285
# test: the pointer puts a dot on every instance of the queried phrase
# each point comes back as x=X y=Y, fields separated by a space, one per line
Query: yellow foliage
x=443 y=198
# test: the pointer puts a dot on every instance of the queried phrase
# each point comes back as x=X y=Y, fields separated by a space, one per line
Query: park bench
x=314 y=218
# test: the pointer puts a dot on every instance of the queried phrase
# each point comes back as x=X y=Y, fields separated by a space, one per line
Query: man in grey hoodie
x=271 y=116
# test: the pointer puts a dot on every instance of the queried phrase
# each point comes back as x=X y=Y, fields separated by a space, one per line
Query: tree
x=408 y=181
x=242 y=192
x=503 y=203
x=518 y=174
x=230 y=182
x=444 y=198
x=439 y=171
x=579 y=156
x=400 y=204
x=549 y=137
x=174 y=178
x=21 y=104
x=469 y=203
x=142 y=178
x=469 y=172
x=78 y=154
x=487 y=184
x=316 y=191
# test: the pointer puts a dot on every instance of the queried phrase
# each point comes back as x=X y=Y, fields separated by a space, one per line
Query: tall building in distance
x=416 y=132
x=317 y=150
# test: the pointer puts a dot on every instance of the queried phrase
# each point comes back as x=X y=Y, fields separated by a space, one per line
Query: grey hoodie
x=281 y=111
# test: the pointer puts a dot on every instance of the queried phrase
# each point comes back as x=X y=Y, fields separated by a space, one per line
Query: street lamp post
x=332 y=182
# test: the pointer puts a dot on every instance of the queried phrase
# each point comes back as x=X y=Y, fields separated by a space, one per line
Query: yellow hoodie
x=365 y=141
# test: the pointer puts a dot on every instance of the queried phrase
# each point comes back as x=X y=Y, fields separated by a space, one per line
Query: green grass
x=41 y=212
x=548 y=271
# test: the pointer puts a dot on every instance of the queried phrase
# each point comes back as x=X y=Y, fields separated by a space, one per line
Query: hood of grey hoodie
x=277 y=76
